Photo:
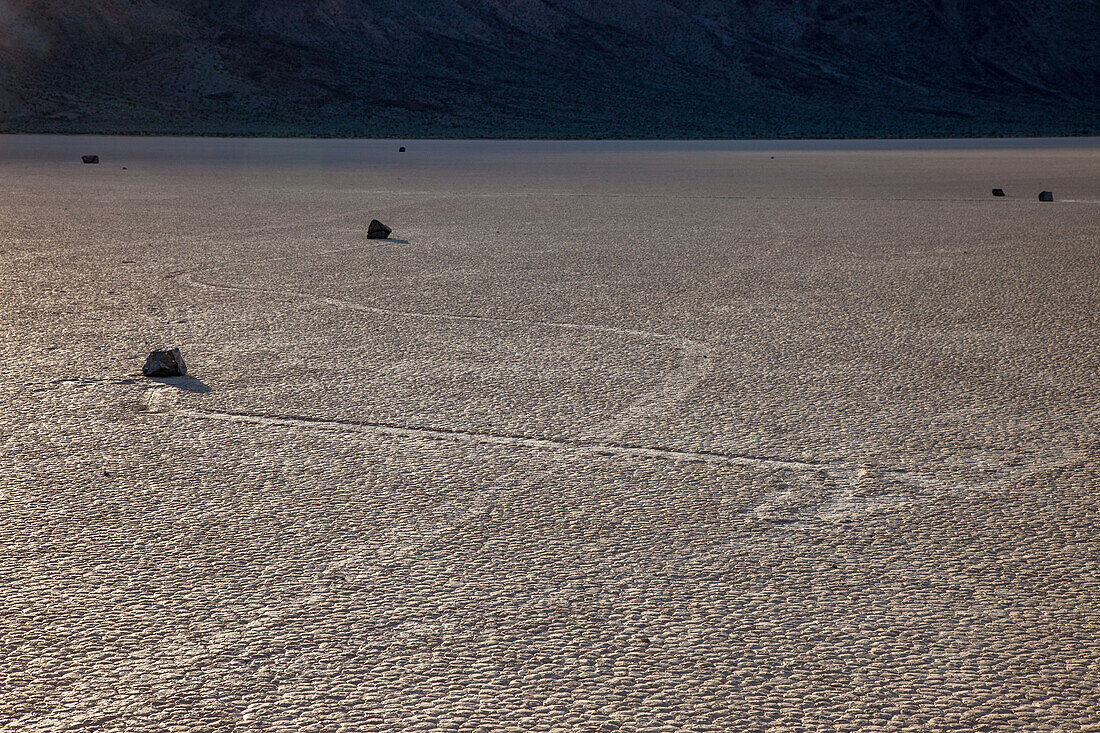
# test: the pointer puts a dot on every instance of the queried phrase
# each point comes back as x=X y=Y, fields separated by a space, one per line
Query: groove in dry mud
x=695 y=364
x=444 y=433
x=162 y=401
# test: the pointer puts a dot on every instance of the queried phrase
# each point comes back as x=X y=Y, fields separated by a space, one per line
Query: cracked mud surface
x=608 y=439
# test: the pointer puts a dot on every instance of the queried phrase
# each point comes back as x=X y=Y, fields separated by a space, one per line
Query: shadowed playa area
x=607 y=436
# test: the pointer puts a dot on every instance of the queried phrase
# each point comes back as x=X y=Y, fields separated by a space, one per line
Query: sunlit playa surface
x=606 y=436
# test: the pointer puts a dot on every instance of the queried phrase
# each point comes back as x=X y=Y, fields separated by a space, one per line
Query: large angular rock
x=378 y=230
x=998 y=192
x=167 y=363
x=1046 y=196
x=90 y=159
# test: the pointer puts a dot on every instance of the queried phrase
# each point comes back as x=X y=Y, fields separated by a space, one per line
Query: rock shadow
x=186 y=383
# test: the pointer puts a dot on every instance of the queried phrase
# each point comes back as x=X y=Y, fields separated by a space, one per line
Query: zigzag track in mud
x=695 y=362
x=187 y=279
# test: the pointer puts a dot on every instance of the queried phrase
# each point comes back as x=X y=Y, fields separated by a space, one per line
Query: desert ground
x=607 y=436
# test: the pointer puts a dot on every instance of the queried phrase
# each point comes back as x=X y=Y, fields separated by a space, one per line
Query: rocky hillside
x=551 y=68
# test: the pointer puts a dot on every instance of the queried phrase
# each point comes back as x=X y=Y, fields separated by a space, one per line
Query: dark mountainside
x=555 y=68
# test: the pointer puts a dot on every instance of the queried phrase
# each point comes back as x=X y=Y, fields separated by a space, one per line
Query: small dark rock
x=401 y=149
x=998 y=192
x=168 y=363
x=1046 y=196
x=378 y=230
x=90 y=159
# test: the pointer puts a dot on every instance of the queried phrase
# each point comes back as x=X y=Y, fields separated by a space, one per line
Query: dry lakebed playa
x=638 y=436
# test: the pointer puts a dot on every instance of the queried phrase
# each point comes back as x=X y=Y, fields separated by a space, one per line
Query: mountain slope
x=551 y=68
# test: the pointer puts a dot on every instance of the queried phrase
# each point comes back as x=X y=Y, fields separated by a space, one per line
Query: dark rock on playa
x=998 y=192
x=168 y=363
x=401 y=149
x=90 y=159
x=378 y=230
x=1046 y=196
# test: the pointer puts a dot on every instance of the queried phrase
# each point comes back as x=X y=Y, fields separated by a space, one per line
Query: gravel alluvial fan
x=572 y=68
